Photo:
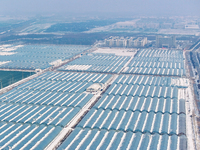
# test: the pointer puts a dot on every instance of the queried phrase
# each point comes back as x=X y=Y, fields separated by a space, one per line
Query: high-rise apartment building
x=126 y=42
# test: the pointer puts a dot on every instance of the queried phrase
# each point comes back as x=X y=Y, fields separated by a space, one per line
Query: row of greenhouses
x=134 y=121
x=97 y=63
x=58 y=86
x=165 y=53
x=17 y=136
x=103 y=139
x=143 y=90
x=38 y=56
x=66 y=76
x=33 y=114
x=46 y=98
x=152 y=80
x=148 y=104
x=155 y=71
x=157 y=62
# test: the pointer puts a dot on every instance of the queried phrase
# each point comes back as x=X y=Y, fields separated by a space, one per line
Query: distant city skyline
x=124 y=7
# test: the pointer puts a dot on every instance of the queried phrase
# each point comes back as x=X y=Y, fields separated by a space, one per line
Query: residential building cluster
x=116 y=41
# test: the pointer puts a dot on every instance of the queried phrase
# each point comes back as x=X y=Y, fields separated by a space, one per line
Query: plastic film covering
x=182 y=124
x=143 y=90
x=183 y=142
x=136 y=103
x=97 y=62
x=38 y=56
x=103 y=139
x=34 y=113
x=26 y=136
x=131 y=121
x=182 y=105
x=157 y=62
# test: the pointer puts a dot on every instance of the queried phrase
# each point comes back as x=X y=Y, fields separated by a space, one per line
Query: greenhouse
x=157 y=62
x=97 y=63
x=31 y=57
x=42 y=107
x=96 y=100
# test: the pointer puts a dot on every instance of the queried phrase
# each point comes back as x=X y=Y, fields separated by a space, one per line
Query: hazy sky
x=143 y=7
